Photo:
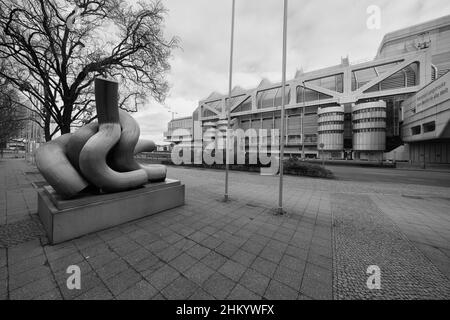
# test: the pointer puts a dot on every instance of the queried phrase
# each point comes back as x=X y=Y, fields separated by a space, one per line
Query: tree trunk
x=47 y=134
x=65 y=128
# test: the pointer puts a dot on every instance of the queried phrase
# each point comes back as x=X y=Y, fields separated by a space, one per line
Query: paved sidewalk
x=207 y=249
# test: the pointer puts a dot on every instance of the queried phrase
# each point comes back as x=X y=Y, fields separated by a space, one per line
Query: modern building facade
x=182 y=127
x=354 y=111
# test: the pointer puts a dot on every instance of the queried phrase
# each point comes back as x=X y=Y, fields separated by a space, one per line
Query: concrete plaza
x=320 y=249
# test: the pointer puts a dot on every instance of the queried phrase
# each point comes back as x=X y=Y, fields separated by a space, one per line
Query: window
x=215 y=105
x=246 y=105
x=429 y=126
x=271 y=98
x=309 y=95
x=333 y=83
x=415 y=130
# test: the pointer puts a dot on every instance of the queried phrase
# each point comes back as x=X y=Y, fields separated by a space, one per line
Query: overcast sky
x=320 y=32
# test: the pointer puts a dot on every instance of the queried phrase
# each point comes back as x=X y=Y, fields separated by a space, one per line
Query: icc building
x=396 y=106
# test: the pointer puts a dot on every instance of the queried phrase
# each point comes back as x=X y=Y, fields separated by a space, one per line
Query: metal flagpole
x=303 y=122
x=230 y=81
x=283 y=97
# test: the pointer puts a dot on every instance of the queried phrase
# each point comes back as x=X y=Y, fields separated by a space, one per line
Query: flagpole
x=228 y=106
x=283 y=102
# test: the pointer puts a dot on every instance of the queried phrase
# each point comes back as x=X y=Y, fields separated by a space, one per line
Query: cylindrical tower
x=331 y=128
x=369 y=126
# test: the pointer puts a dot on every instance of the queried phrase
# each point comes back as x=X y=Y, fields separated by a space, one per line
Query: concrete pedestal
x=68 y=219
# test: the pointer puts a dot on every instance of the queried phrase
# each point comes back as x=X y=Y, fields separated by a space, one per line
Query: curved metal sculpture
x=99 y=155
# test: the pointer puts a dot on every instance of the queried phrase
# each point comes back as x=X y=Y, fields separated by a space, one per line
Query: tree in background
x=53 y=50
x=12 y=115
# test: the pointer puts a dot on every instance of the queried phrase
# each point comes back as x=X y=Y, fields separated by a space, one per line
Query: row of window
x=407 y=77
x=427 y=127
x=369 y=120
x=330 y=122
x=333 y=83
x=374 y=109
x=369 y=130
x=337 y=113
x=271 y=98
x=330 y=131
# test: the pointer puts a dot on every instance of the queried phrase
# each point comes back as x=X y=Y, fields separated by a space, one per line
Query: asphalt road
x=419 y=177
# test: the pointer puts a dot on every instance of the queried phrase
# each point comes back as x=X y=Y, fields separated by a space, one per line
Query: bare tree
x=12 y=115
x=54 y=49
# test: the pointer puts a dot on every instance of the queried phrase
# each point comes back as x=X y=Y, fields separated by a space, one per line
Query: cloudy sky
x=320 y=32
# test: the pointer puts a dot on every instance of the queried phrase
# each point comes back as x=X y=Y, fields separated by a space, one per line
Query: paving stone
x=226 y=249
x=297 y=252
x=183 y=262
x=293 y=263
x=53 y=294
x=412 y=249
x=122 y=281
x=271 y=254
x=33 y=289
x=278 y=291
x=58 y=252
x=180 y=289
x=288 y=277
x=95 y=250
x=139 y=291
x=3 y=273
x=137 y=255
x=201 y=294
x=214 y=260
x=184 y=244
x=320 y=261
x=199 y=273
x=198 y=251
x=27 y=264
x=102 y=259
x=211 y=242
x=111 y=269
x=252 y=247
x=198 y=236
x=88 y=281
x=254 y=281
x=66 y=261
x=316 y=289
x=24 y=251
x=169 y=253
x=18 y=280
x=264 y=266
x=98 y=293
x=218 y=285
x=162 y=277
x=232 y=270
x=148 y=264
x=363 y=236
x=241 y=293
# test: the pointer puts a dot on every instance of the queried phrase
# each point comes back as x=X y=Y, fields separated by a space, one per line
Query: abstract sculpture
x=99 y=157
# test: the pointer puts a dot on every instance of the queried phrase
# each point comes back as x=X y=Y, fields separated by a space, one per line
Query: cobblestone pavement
x=208 y=249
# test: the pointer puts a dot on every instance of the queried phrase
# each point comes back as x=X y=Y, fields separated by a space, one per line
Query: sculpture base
x=68 y=219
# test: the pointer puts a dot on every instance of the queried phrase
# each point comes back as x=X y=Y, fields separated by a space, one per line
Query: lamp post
x=283 y=102
x=228 y=106
x=303 y=116
x=321 y=146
